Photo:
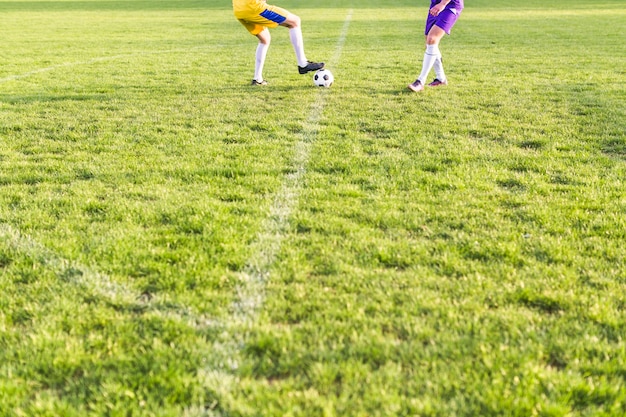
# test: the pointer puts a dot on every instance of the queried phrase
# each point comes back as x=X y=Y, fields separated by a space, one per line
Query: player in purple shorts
x=442 y=16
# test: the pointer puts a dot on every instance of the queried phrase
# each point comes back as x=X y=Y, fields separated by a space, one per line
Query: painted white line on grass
x=93 y=61
x=93 y=281
x=101 y=285
x=253 y=280
x=251 y=290
x=54 y=67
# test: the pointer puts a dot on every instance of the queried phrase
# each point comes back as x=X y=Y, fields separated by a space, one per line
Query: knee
x=265 y=37
x=432 y=40
x=292 y=21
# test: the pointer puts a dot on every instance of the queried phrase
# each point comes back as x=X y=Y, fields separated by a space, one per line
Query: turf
x=176 y=242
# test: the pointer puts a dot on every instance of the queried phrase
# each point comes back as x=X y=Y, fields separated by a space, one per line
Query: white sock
x=261 y=53
x=438 y=67
x=430 y=56
x=295 y=34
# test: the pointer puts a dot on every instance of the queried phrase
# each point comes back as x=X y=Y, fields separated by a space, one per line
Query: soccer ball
x=323 y=78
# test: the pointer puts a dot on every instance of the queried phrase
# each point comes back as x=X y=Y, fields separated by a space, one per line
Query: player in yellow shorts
x=257 y=16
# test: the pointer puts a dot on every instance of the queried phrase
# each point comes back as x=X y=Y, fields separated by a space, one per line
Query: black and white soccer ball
x=323 y=78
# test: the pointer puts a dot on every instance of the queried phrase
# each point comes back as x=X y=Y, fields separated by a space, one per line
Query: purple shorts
x=445 y=20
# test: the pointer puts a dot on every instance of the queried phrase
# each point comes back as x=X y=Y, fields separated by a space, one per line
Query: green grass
x=459 y=252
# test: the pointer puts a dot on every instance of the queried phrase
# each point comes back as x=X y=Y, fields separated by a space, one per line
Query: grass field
x=175 y=242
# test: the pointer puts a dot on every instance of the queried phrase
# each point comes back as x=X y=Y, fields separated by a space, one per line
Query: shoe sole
x=309 y=70
x=305 y=70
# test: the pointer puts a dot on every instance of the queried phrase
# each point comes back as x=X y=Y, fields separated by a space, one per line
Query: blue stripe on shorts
x=273 y=16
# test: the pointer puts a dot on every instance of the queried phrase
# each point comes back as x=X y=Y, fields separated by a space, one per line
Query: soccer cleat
x=310 y=66
x=416 y=86
x=255 y=82
x=437 y=83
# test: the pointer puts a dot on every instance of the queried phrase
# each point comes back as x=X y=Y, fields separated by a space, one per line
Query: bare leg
x=432 y=53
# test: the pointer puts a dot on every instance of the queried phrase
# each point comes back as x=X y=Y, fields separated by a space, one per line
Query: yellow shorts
x=256 y=15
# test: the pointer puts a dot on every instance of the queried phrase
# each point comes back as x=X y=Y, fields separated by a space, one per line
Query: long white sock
x=261 y=53
x=438 y=67
x=295 y=34
x=430 y=56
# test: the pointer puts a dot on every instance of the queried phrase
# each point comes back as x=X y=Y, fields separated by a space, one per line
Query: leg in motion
x=440 y=75
x=293 y=23
x=442 y=16
x=431 y=55
x=261 y=52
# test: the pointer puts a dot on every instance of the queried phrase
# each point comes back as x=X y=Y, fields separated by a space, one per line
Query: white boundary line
x=93 y=281
x=220 y=377
x=250 y=292
x=95 y=60
x=101 y=285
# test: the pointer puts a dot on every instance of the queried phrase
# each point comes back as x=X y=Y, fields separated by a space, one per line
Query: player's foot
x=262 y=82
x=311 y=66
x=416 y=86
x=437 y=83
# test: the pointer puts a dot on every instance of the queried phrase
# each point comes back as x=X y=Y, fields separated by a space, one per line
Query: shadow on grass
x=599 y=114
x=615 y=146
